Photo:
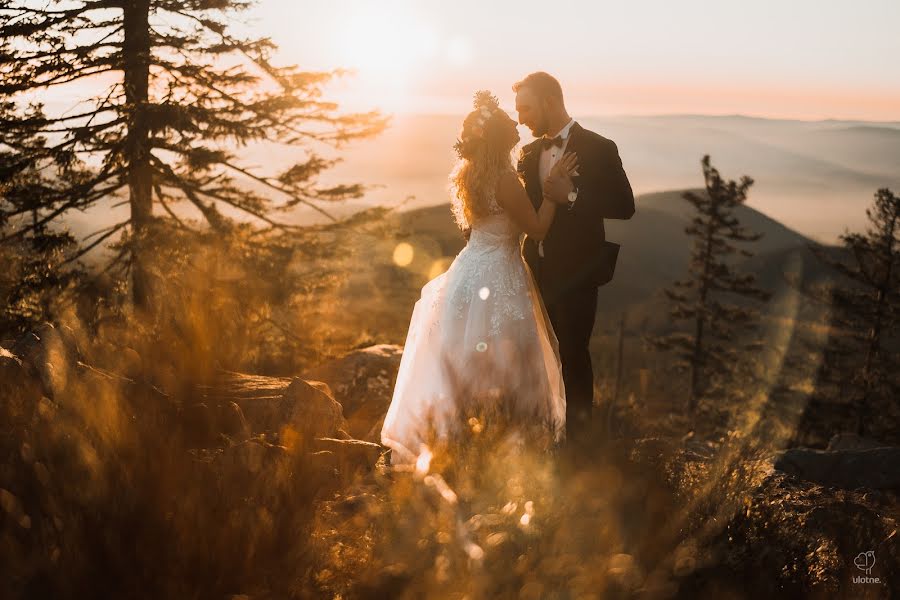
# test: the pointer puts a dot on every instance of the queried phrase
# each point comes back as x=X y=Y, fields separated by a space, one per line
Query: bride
x=479 y=335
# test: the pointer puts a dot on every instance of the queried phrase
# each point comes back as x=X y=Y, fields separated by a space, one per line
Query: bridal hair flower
x=485 y=106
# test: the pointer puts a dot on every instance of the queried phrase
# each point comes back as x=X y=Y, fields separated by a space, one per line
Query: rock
x=233 y=386
x=232 y=421
x=351 y=454
x=874 y=468
x=363 y=382
x=325 y=467
x=199 y=425
x=257 y=404
x=325 y=461
x=254 y=466
x=851 y=441
x=312 y=410
x=355 y=504
x=251 y=456
x=204 y=424
x=51 y=353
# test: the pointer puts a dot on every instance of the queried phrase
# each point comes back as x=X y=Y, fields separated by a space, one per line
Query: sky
x=787 y=59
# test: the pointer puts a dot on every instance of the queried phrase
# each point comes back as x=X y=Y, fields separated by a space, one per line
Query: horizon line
x=893 y=123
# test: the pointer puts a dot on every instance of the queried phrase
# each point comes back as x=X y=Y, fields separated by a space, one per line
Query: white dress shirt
x=550 y=156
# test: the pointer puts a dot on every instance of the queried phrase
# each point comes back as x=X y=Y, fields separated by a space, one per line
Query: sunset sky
x=800 y=59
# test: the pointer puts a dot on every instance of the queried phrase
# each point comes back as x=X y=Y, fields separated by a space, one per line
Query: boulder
x=51 y=353
x=203 y=424
x=363 y=382
x=873 y=468
x=245 y=405
x=350 y=454
x=306 y=408
x=231 y=386
x=852 y=441
x=198 y=424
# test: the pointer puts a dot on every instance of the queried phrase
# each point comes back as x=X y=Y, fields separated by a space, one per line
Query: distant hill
x=816 y=177
x=655 y=252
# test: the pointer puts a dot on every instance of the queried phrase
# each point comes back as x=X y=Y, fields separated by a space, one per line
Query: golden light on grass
x=403 y=254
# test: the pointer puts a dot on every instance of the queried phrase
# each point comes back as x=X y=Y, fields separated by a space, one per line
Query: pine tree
x=861 y=357
x=35 y=272
x=709 y=349
x=177 y=92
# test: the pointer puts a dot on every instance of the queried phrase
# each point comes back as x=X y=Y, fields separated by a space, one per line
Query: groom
x=574 y=258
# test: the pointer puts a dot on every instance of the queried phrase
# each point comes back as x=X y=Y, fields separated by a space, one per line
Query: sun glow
x=387 y=49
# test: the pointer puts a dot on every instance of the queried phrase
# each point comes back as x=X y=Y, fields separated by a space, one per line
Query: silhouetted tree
x=176 y=92
x=34 y=270
x=861 y=359
x=709 y=350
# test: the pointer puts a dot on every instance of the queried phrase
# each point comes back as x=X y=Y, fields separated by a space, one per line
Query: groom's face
x=532 y=111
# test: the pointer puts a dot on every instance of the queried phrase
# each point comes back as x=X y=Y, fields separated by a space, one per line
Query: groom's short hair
x=544 y=85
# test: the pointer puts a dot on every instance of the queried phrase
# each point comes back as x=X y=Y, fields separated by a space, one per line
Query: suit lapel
x=531 y=164
x=573 y=145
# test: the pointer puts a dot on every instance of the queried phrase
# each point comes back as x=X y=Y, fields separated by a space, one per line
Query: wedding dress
x=479 y=333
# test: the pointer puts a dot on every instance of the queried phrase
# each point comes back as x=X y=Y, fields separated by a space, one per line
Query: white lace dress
x=478 y=333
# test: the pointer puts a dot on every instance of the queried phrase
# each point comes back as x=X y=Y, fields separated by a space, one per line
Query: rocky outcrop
x=347 y=397
x=872 y=468
x=350 y=455
x=363 y=383
x=746 y=530
x=852 y=441
x=849 y=462
x=242 y=405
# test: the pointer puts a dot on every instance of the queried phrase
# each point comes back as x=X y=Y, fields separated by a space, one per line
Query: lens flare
x=403 y=254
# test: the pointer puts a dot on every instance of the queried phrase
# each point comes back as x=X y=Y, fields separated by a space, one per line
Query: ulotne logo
x=864 y=561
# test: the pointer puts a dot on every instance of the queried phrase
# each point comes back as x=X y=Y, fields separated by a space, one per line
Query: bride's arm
x=514 y=200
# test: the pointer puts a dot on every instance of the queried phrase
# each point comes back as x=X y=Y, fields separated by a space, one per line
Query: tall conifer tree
x=177 y=95
x=708 y=349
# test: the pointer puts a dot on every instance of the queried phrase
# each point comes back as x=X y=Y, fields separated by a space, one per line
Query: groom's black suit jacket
x=576 y=253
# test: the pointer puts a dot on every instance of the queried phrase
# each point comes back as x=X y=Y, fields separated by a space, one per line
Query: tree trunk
x=697 y=359
x=136 y=65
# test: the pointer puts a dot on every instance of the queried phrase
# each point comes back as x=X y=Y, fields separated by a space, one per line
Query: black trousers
x=572 y=317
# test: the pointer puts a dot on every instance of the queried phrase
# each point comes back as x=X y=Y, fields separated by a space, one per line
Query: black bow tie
x=547 y=142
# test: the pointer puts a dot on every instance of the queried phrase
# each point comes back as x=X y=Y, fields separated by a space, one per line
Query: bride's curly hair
x=484 y=150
